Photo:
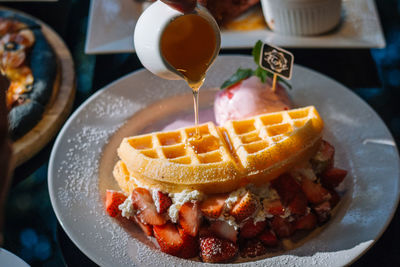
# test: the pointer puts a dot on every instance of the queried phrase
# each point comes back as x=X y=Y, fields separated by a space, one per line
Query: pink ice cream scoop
x=248 y=98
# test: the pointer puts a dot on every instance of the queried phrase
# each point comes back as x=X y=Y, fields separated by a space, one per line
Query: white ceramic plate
x=111 y=26
x=9 y=259
x=364 y=147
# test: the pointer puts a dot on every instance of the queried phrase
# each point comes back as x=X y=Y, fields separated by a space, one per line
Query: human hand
x=185 y=6
x=5 y=152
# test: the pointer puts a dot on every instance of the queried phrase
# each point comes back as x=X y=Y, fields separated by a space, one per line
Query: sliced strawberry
x=307 y=222
x=251 y=229
x=190 y=218
x=213 y=205
x=298 y=205
x=273 y=207
x=168 y=238
x=331 y=178
x=214 y=249
x=323 y=211
x=164 y=202
x=252 y=248
x=228 y=91
x=334 y=199
x=224 y=230
x=147 y=212
x=269 y=238
x=324 y=158
x=282 y=227
x=146 y=228
x=245 y=207
x=287 y=188
x=315 y=192
x=113 y=200
x=205 y=231
x=190 y=246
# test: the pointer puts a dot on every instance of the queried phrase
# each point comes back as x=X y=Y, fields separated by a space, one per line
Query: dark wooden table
x=32 y=231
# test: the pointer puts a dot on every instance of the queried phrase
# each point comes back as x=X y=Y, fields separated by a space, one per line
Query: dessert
x=255 y=149
x=247 y=98
x=28 y=61
x=237 y=191
x=250 y=92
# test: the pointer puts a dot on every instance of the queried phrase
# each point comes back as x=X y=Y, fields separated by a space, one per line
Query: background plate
x=111 y=26
x=364 y=147
x=60 y=103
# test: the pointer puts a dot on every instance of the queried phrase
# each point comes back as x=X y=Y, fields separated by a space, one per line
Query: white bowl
x=302 y=17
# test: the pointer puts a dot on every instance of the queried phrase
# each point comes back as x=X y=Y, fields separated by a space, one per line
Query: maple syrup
x=189 y=45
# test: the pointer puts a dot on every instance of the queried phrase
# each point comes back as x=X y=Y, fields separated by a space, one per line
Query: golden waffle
x=254 y=150
x=274 y=138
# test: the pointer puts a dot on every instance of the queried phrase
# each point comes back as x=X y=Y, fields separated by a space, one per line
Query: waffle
x=254 y=150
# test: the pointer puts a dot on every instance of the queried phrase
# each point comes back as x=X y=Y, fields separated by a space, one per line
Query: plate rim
x=74 y=238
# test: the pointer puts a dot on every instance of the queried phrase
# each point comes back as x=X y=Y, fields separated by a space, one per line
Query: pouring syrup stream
x=188 y=44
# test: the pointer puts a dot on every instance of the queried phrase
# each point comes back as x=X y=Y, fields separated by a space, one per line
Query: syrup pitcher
x=174 y=45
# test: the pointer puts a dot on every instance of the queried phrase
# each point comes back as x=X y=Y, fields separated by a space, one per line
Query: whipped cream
x=156 y=199
x=126 y=208
x=234 y=197
x=263 y=191
x=226 y=217
x=260 y=215
x=304 y=171
x=178 y=199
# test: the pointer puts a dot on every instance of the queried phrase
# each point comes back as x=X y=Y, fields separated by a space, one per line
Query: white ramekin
x=302 y=17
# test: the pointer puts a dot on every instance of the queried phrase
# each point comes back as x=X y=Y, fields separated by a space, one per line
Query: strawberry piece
x=168 y=238
x=251 y=229
x=282 y=227
x=190 y=246
x=146 y=228
x=214 y=205
x=205 y=231
x=287 y=188
x=315 y=193
x=224 y=230
x=324 y=158
x=228 y=91
x=331 y=178
x=113 y=200
x=164 y=202
x=252 y=248
x=269 y=238
x=298 y=205
x=214 y=249
x=335 y=198
x=245 y=207
x=307 y=222
x=323 y=211
x=274 y=207
x=291 y=194
x=190 y=218
x=143 y=202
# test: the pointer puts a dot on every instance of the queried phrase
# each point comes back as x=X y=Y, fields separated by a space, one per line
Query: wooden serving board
x=59 y=106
